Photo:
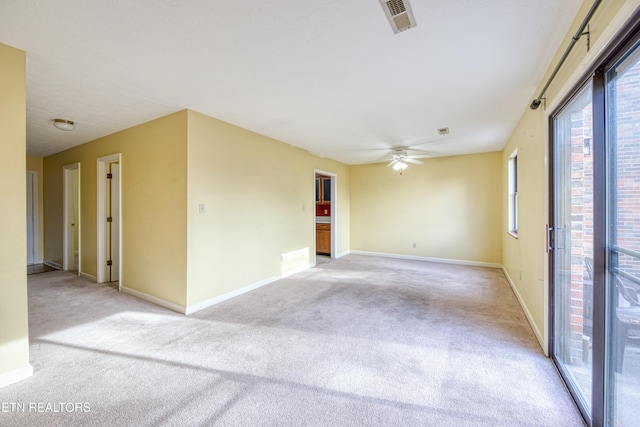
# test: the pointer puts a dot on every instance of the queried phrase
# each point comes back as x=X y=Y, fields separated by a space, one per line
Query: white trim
x=15 y=376
x=224 y=297
x=291 y=273
x=441 y=260
x=65 y=215
x=341 y=254
x=536 y=332
x=88 y=276
x=334 y=212
x=53 y=264
x=512 y=202
x=35 y=218
x=213 y=301
x=155 y=300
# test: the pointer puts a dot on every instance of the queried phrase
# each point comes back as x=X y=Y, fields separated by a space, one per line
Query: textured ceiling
x=326 y=76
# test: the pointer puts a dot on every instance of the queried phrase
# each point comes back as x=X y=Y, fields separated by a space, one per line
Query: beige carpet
x=356 y=341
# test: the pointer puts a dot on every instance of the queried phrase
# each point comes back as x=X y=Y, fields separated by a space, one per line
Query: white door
x=114 y=225
x=32 y=217
x=71 y=217
x=109 y=218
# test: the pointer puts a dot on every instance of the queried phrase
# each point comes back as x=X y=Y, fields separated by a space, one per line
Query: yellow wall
x=35 y=164
x=450 y=207
x=154 y=194
x=14 y=331
x=525 y=258
x=259 y=199
x=258 y=194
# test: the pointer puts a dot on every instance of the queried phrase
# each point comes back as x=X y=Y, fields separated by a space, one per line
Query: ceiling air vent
x=399 y=14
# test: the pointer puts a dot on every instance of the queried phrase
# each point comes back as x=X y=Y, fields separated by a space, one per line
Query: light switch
x=201 y=208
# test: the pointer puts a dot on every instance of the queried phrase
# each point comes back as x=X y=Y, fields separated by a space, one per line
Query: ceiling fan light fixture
x=400 y=166
x=63 y=124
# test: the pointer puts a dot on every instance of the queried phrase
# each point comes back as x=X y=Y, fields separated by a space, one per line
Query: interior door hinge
x=109 y=262
x=109 y=219
x=109 y=176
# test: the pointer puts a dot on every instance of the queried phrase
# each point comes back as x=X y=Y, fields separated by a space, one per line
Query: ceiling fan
x=400 y=157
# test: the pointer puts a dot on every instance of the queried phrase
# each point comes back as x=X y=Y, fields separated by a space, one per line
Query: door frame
x=67 y=203
x=33 y=200
x=103 y=193
x=334 y=212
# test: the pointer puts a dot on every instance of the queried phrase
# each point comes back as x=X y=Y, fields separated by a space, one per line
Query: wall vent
x=399 y=14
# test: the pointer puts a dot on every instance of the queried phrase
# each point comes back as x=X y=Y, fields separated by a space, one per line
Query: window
x=513 y=193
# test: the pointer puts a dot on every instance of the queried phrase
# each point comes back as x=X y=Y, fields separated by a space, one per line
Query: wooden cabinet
x=323 y=238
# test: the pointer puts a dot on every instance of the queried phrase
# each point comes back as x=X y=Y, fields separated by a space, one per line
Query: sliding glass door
x=572 y=239
x=594 y=238
x=623 y=248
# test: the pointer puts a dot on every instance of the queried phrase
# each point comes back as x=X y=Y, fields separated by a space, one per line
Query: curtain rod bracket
x=588 y=34
x=536 y=103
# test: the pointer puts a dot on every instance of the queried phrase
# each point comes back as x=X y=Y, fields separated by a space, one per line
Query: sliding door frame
x=624 y=41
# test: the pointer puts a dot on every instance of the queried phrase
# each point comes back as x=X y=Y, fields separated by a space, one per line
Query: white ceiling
x=327 y=76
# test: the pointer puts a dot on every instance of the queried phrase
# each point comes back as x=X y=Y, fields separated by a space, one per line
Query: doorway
x=71 y=218
x=109 y=219
x=32 y=218
x=325 y=214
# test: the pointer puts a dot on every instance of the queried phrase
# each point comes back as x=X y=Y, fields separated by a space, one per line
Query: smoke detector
x=399 y=14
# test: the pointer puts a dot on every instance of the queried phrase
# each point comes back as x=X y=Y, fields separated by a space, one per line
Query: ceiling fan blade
x=392 y=162
x=415 y=150
x=414 y=161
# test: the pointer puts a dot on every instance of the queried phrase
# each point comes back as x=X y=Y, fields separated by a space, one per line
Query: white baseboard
x=15 y=376
x=290 y=273
x=419 y=258
x=155 y=300
x=536 y=332
x=224 y=297
x=53 y=264
x=341 y=254
x=88 y=276
x=202 y=305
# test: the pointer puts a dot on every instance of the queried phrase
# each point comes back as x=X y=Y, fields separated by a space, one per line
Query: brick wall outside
x=581 y=230
x=626 y=153
x=624 y=157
